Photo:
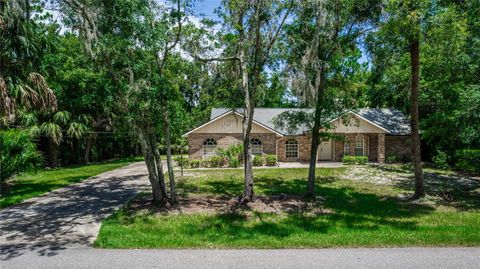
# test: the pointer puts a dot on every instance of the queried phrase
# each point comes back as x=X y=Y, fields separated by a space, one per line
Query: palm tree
x=52 y=129
x=22 y=44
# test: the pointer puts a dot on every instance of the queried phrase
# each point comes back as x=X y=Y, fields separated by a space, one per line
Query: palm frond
x=85 y=119
x=47 y=100
x=76 y=130
x=7 y=106
x=34 y=131
x=61 y=117
x=28 y=118
x=52 y=131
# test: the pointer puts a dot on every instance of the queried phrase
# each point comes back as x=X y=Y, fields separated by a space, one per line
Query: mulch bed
x=223 y=204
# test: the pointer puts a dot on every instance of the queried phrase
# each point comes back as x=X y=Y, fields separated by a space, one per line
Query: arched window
x=291 y=148
x=209 y=147
x=359 y=145
x=256 y=146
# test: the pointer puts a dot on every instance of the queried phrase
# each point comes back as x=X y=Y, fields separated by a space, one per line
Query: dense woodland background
x=80 y=89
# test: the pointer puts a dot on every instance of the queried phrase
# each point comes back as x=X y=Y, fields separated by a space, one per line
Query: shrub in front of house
x=181 y=160
x=195 y=163
x=391 y=159
x=468 y=160
x=440 y=160
x=234 y=162
x=231 y=155
x=258 y=160
x=271 y=160
x=355 y=160
x=215 y=161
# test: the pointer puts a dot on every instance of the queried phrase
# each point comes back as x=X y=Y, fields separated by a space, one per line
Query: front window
x=256 y=146
x=346 y=147
x=359 y=146
x=209 y=148
x=291 y=148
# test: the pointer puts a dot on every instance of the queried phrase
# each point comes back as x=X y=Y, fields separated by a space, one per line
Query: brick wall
x=338 y=154
x=373 y=148
x=394 y=145
x=195 y=142
x=371 y=144
x=304 y=143
x=398 y=146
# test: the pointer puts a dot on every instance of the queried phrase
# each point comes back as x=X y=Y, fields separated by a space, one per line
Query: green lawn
x=351 y=213
x=31 y=184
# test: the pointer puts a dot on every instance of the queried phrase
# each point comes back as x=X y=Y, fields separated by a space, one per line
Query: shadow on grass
x=347 y=209
x=459 y=191
x=224 y=187
x=350 y=209
x=26 y=188
x=234 y=186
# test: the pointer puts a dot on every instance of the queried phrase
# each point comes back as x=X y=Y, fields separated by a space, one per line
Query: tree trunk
x=76 y=145
x=88 y=149
x=320 y=86
x=248 y=193
x=158 y=164
x=53 y=153
x=166 y=129
x=154 y=171
x=416 y=154
x=181 y=160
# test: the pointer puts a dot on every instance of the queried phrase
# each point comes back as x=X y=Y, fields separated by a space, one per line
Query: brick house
x=371 y=132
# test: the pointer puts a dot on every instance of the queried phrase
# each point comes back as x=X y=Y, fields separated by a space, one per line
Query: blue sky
x=206 y=9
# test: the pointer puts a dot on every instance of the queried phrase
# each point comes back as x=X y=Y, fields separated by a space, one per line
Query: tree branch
x=277 y=32
x=166 y=51
x=179 y=30
x=214 y=59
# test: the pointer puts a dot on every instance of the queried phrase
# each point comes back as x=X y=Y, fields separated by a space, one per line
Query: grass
x=355 y=213
x=32 y=184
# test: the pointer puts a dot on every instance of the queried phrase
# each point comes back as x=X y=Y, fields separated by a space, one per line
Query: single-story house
x=372 y=132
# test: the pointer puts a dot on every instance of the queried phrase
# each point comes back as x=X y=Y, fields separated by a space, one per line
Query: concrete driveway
x=69 y=217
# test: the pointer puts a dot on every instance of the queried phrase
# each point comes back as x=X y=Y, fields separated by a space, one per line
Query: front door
x=325 y=151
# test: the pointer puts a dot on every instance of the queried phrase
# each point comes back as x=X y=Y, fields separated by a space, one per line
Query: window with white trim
x=256 y=146
x=291 y=148
x=359 y=145
x=209 y=148
x=346 y=147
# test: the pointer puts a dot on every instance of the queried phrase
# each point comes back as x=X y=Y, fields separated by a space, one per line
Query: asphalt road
x=307 y=258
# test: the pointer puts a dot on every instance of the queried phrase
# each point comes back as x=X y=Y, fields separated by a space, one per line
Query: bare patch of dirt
x=376 y=174
x=223 y=204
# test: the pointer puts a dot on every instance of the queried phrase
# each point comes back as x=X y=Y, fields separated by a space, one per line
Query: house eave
x=238 y=114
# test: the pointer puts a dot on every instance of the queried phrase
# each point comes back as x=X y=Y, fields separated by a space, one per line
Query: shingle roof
x=390 y=119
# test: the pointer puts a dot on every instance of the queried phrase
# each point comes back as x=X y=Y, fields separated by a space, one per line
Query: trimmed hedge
x=195 y=163
x=181 y=160
x=215 y=161
x=234 y=162
x=271 y=160
x=355 y=160
x=258 y=161
x=468 y=160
